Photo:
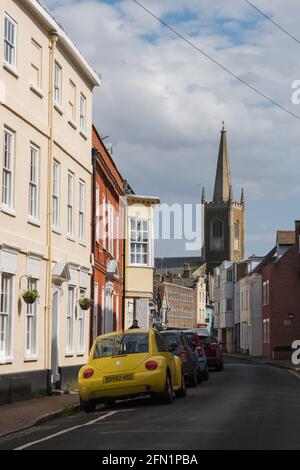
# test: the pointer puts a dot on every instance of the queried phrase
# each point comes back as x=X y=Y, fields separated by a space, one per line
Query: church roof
x=222 y=191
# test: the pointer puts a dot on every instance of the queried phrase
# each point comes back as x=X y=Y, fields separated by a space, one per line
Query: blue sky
x=162 y=104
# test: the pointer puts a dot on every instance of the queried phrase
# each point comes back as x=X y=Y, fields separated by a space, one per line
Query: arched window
x=217 y=229
x=237 y=235
x=217 y=235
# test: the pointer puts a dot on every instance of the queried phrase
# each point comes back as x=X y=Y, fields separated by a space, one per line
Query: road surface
x=244 y=407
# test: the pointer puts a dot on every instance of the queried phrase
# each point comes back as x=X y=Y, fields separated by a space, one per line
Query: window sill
x=83 y=135
x=71 y=239
x=11 y=69
x=36 y=90
x=82 y=354
x=58 y=109
x=9 y=211
x=56 y=230
x=69 y=354
x=72 y=124
x=82 y=244
x=6 y=361
x=31 y=358
x=33 y=221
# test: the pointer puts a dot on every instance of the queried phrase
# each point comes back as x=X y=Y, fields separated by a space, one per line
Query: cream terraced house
x=139 y=259
x=46 y=90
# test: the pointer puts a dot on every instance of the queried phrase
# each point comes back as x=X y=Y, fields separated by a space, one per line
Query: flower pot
x=30 y=297
x=85 y=304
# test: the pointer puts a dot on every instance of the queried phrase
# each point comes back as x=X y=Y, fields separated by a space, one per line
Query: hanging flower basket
x=84 y=303
x=30 y=296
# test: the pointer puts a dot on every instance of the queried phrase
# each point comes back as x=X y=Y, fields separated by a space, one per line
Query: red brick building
x=281 y=295
x=107 y=245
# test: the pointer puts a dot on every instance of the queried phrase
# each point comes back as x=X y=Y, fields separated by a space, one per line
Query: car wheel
x=220 y=367
x=167 y=396
x=87 y=406
x=193 y=379
x=182 y=392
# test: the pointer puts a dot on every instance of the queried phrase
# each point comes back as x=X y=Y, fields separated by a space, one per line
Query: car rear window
x=123 y=344
x=189 y=337
x=171 y=338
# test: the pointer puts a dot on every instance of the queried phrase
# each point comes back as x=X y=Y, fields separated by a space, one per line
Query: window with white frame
x=57 y=83
x=139 y=242
x=70 y=318
x=117 y=313
x=81 y=331
x=8 y=168
x=104 y=228
x=70 y=204
x=111 y=236
x=10 y=41
x=81 y=211
x=31 y=322
x=117 y=237
x=82 y=112
x=266 y=330
x=33 y=206
x=97 y=212
x=55 y=195
x=6 y=295
x=95 y=311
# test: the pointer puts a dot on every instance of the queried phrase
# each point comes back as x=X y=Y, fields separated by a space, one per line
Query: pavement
x=22 y=415
x=247 y=406
x=284 y=364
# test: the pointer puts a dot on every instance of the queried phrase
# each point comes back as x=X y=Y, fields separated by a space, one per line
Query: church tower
x=224 y=222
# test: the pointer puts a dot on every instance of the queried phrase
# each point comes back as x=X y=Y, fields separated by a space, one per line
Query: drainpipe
x=124 y=261
x=48 y=304
x=94 y=182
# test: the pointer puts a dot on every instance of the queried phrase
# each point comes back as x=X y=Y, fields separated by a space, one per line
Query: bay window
x=139 y=242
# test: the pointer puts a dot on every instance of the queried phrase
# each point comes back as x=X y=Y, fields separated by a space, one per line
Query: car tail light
x=199 y=352
x=151 y=365
x=183 y=355
x=88 y=373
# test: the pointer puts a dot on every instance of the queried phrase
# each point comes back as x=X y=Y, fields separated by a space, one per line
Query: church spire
x=223 y=179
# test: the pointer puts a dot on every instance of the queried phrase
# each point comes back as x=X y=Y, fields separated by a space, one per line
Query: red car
x=213 y=350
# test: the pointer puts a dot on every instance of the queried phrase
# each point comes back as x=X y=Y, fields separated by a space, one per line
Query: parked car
x=213 y=351
x=129 y=364
x=194 y=342
x=179 y=346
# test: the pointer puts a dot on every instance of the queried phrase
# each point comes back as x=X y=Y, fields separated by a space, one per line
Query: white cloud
x=162 y=103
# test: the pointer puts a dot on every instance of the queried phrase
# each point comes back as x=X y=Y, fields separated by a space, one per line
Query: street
x=245 y=407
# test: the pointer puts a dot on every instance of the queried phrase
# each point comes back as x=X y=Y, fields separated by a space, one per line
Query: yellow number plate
x=117 y=378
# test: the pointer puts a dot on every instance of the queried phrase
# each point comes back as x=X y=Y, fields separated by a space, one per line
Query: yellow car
x=128 y=364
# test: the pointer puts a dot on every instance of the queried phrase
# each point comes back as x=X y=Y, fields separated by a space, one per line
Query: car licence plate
x=117 y=378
